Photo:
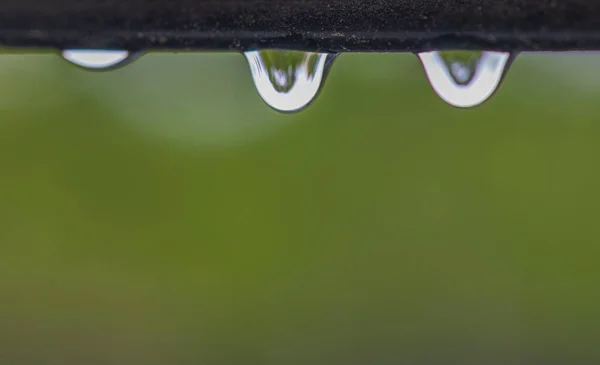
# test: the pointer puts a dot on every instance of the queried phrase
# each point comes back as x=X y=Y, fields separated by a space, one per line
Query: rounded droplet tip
x=93 y=59
x=465 y=78
x=288 y=81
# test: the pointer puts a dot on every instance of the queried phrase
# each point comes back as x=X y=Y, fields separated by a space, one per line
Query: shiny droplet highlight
x=465 y=78
x=97 y=59
x=288 y=81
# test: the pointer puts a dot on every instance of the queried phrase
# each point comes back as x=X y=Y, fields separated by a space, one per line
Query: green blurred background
x=163 y=214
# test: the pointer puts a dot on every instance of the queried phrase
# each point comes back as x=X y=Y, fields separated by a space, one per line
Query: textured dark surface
x=337 y=25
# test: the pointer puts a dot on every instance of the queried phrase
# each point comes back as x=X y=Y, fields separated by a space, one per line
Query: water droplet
x=465 y=78
x=289 y=81
x=94 y=59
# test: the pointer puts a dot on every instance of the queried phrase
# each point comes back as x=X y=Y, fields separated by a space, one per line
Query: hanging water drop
x=465 y=78
x=289 y=81
x=93 y=59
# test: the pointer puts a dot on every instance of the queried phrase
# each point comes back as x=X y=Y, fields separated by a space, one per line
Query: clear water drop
x=465 y=78
x=289 y=81
x=94 y=59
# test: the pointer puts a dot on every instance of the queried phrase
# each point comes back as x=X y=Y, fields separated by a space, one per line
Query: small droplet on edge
x=97 y=59
x=465 y=78
x=288 y=81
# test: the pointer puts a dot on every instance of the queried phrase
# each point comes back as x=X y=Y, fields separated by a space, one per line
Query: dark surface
x=336 y=25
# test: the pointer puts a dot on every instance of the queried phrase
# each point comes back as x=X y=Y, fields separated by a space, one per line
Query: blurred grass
x=162 y=214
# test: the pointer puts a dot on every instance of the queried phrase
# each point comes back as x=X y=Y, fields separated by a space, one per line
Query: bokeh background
x=163 y=214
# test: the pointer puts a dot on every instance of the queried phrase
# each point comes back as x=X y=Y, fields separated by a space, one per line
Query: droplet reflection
x=465 y=78
x=97 y=59
x=288 y=81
